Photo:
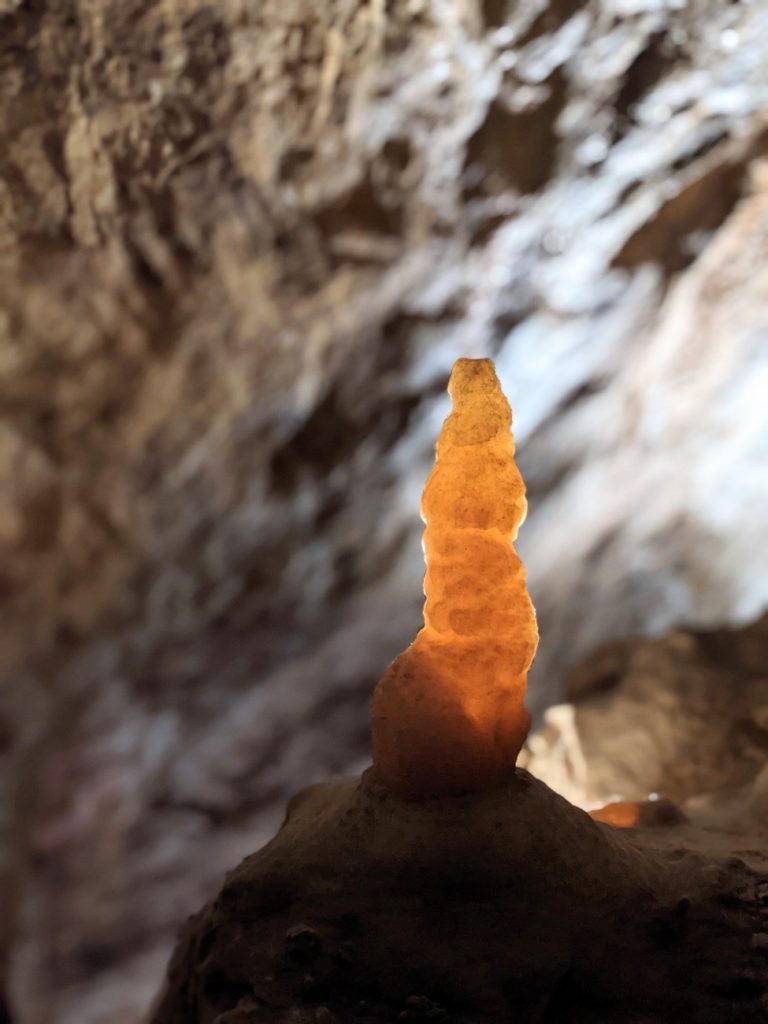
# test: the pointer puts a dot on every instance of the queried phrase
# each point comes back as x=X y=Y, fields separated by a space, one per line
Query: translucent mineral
x=619 y=814
x=448 y=714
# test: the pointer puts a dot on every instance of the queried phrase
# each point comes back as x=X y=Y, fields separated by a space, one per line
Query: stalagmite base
x=510 y=906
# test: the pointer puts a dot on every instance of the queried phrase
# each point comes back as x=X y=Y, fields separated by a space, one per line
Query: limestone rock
x=505 y=905
x=240 y=247
x=682 y=717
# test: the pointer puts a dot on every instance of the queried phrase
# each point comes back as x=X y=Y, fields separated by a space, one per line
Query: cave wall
x=241 y=245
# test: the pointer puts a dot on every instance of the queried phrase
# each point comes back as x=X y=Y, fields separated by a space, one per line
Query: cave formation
x=449 y=713
x=448 y=884
x=241 y=245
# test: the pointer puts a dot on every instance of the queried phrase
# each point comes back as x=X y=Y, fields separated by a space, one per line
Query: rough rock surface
x=681 y=717
x=513 y=903
x=240 y=246
x=499 y=906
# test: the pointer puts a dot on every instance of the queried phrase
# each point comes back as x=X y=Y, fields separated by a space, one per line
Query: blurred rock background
x=241 y=244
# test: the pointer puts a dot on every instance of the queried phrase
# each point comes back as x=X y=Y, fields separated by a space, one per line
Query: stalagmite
x=448 y=715
x=447 y=884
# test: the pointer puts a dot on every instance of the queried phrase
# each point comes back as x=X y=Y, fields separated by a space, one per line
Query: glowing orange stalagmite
x=448 y=714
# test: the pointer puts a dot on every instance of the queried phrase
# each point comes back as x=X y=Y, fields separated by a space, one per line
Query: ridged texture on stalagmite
x=448 y=715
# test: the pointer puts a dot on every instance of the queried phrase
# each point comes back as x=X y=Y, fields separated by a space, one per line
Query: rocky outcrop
x=495 y=906
x=512 y=902
x=241 y=246
x=682 y=717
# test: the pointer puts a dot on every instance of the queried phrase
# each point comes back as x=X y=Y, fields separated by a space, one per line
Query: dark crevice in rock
x=494 y=12
x=649 y=67
x=600 y=672
x=554 y=14
x=361 y=209
x=331 y=435
x=398 y=153
x=208 y=45
x=223 y=993
x=668 y=238
x=514 y=150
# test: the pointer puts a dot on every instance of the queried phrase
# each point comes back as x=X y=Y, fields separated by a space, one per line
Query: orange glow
x=448 y=714
x=620 y=814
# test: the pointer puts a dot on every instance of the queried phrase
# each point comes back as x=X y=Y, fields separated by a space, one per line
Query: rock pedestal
x=511 y=905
